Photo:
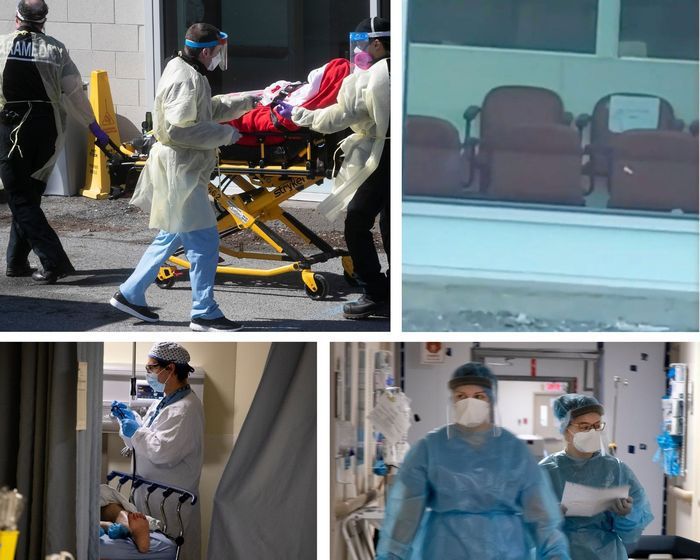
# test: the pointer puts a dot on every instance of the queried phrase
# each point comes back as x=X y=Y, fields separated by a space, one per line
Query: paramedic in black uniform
x=38 y=83
x=362 y=185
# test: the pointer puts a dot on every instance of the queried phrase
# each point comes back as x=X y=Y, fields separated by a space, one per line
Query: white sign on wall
x=432 y=353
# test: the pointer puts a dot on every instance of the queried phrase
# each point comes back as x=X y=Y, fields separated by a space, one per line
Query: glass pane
x=653 y=29
x=550 y=25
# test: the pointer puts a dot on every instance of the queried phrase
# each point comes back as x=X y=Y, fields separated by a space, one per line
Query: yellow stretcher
x=266 y=177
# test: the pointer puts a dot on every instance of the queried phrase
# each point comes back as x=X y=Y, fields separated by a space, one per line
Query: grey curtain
x=89 y=455
x=265 y=505
x=37 y=441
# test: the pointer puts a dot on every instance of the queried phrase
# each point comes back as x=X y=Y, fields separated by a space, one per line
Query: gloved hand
x=622 y=506
x=129 y=427
x=121 y=410
x=235 y=136
x=117 y=531
x=101 y=136
x=284 y=110
x=102 y=531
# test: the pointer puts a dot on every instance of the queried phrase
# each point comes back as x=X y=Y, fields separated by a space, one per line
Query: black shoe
x=22 y=270
x=220 y=324
x=142 y=312
x=366 y=307
x=48 y=276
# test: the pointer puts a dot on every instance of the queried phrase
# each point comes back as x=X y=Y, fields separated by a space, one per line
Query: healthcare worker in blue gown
x=167 y=441
x=471 y=490
x=602 y=536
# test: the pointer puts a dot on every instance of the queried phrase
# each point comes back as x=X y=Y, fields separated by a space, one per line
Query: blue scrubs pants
x=202 y=250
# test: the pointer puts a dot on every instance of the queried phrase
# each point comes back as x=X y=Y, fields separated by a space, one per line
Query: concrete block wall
x=101 y=35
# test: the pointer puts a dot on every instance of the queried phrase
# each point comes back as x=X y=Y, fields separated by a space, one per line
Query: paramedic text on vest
x=167 y=441
x=173 y=184
x=38 y=84
x=362 y=184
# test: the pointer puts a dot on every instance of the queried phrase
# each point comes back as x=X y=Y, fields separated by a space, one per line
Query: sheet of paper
x=586 y=501
x=629 y=112
x=391 y=417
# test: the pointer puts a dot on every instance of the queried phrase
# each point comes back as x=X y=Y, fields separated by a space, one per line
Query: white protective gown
x=364 y=104
x=170 y=451
x=173 y=183
x=63 y=84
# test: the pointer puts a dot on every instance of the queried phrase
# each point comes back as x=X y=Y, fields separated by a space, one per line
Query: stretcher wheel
x=165 y=284
x=321 y=288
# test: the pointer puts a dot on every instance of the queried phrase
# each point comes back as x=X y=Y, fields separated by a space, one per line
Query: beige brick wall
x=101 y=35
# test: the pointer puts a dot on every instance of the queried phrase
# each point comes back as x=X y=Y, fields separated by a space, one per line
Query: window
x=549 y=25
x=653 y=29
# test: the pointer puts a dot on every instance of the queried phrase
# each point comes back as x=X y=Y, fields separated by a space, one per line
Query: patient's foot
x=138 y=525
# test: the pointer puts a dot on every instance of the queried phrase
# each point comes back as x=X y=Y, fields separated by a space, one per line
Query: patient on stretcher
x=120 y=520
x=319 y=90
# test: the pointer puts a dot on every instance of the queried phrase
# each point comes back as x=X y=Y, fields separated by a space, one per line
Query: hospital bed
x=247 y=187
x=165 y=545
x=662 y=547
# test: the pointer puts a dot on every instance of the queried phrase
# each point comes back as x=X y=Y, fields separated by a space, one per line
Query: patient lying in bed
x=119 y=519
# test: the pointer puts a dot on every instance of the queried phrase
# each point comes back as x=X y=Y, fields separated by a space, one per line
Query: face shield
x=221 y=58
x=359 y=41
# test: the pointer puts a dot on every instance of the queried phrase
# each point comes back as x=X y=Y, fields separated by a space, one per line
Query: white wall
x=639 y=413
x=101 y=35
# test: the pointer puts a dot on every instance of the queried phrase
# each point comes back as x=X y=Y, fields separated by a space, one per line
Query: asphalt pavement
x=105 y=239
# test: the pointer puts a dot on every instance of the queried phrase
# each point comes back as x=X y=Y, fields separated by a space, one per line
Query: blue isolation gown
x=603 y=536
x=463 y=496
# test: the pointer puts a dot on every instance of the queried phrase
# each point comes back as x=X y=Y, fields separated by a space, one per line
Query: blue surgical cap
x=474 y=373
x=572 y=405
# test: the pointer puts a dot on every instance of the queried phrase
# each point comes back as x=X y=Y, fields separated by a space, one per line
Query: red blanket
x=266 y=119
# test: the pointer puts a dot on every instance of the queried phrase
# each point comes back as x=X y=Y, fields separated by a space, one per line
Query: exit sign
x=554 y=387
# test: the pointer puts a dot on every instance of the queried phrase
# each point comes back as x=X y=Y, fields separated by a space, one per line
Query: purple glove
x=100 y=135
x=284 y=110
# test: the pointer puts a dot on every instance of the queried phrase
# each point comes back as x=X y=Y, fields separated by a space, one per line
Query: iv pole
x=612 y=446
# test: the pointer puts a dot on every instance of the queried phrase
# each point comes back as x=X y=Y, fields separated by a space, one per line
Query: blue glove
x=102 y=531
x=101 y=136
x=284 y=110
x=129 y=427
x=121 y=410
x=117 y=531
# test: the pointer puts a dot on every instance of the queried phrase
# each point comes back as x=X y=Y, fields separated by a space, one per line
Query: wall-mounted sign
x=432 y=353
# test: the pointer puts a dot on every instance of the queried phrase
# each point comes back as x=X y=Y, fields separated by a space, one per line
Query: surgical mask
x=214 y=62
x=587 y=442
x=363 y=60
x=157 y=386
x=471 y=412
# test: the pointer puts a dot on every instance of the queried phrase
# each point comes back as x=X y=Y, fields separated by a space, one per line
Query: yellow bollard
x=97 y=184
x=8 y=544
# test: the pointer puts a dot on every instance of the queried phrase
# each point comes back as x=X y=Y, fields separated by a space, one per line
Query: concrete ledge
x=556 y=263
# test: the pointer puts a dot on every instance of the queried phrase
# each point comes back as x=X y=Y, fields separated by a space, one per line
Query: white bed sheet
x=162 y=548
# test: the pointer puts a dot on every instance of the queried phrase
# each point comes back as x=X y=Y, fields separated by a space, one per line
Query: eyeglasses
x=583 y=427
x=151 y=368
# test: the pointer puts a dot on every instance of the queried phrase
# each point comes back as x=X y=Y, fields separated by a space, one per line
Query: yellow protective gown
x=364 y=106
x=173 y=184
x=63 y=84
